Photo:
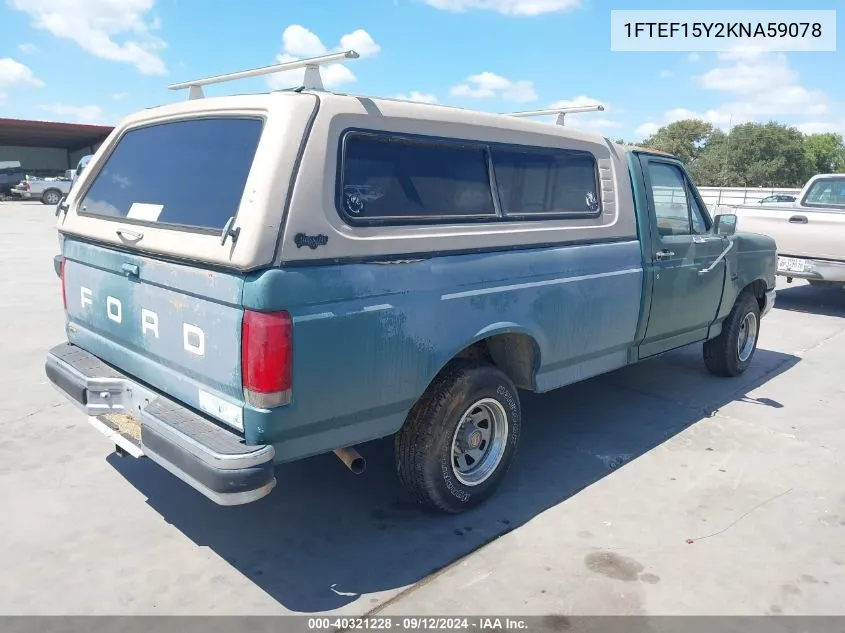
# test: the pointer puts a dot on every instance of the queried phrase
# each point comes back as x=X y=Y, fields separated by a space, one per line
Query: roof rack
x=560 y=112
x=312 y=80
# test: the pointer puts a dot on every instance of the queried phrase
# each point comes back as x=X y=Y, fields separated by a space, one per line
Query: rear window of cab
x=386 y=178
x=826 y=192
x=186 y=173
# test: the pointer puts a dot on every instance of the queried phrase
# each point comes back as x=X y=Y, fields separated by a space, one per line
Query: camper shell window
x=189 y=173
x=390 y=178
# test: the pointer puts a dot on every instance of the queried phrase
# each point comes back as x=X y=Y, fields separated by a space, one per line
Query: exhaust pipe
x=352 y=459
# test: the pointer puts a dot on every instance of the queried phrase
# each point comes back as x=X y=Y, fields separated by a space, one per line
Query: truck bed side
x=369 y=337
x=798 y=231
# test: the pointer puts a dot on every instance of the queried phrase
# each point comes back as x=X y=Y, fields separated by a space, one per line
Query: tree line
x=750 y=155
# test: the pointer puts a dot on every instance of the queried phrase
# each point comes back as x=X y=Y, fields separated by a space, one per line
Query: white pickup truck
x=48 y=190
x=810 y=233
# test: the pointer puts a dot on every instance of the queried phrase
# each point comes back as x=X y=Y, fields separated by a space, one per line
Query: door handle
x=131 y=236
x=799 y=219
x=130 y=270
x=721 y=256
x=664 y=255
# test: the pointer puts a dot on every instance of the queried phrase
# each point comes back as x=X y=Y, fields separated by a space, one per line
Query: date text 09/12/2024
x=736 y=30
x=421 y=623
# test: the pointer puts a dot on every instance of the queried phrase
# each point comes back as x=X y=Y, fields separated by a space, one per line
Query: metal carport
x=47 y=148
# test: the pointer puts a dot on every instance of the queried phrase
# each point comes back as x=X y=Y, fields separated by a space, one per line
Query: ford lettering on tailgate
x=174 y=327
x=193 y=337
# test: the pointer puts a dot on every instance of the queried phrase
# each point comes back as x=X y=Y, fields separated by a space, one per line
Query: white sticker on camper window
x=144 y=211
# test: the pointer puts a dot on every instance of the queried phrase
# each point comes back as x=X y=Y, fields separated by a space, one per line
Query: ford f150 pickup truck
x=810 y=233
x=358 y=268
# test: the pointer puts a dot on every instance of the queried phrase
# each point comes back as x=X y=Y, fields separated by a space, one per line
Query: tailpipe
x=352 y=459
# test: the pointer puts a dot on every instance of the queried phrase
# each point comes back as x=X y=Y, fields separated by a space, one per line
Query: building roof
x=70 y=136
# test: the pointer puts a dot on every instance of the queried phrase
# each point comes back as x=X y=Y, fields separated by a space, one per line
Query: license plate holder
x=791 y=265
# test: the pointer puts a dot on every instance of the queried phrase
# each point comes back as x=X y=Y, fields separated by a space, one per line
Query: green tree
x=825 y=152
x=766 y=155
x=750 y=155
x=710 y=168
x=684 y=139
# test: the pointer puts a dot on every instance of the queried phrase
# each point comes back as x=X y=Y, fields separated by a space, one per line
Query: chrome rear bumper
x=208 y=457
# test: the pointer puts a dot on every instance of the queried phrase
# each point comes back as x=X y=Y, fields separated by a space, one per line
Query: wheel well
x=515 y=354
x=758 y=289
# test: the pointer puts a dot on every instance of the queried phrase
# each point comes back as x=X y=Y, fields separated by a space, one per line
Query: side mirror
x=61 y=206
x=724 y=224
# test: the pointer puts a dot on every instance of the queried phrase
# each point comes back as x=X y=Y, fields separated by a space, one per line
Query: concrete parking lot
x=657 y=489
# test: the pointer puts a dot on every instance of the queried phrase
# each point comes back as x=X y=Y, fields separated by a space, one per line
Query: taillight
x=266 y=358
x=62 y=275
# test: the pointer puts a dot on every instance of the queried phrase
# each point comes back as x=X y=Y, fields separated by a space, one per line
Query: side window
x=699 y=224
x=394 y=178
x=671 y=206
x=546 y=182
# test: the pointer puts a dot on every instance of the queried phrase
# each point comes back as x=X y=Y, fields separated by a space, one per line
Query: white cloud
x=507 y=7
x=819 y=127
x=764 y=86
x=422 y=97
x=13 y=73
x=3 y=97
x=749 y=74
x=299 y=42
x=28 y=49
x=666 y=74
x=578 y=102
x=95 y=26
x=679 y=114
x=117 y=96
x=646 y=129
x=760 y=86
x=361 y=42
x=76 y=114
x=489 y=85
x=693 y=57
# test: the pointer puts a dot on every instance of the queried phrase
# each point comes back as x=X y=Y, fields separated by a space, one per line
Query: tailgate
x=798 y=231
x=175 y=327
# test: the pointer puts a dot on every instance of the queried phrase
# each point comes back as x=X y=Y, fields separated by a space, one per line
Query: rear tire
x=460 y=437
x=730 y=353
x=51 y=196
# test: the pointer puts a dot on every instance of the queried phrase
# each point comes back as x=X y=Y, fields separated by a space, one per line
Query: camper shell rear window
x=189 y=173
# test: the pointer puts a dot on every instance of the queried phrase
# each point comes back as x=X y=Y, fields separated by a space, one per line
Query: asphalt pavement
x=657 y=489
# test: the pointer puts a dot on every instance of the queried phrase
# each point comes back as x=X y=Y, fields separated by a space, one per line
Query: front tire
x=730 y=353
x=460 y=437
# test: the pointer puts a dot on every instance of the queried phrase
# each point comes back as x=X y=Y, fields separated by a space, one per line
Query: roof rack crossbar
x=312 y=80
x=560 y=112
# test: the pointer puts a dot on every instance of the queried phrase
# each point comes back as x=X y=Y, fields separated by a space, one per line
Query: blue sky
x=99 y=60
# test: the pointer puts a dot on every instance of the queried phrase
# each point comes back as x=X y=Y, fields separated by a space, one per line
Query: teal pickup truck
x=255 y=279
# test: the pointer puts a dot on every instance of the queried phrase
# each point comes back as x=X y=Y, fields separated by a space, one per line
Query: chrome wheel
x=747 y=337
x=51 y=197
x=479 y=442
